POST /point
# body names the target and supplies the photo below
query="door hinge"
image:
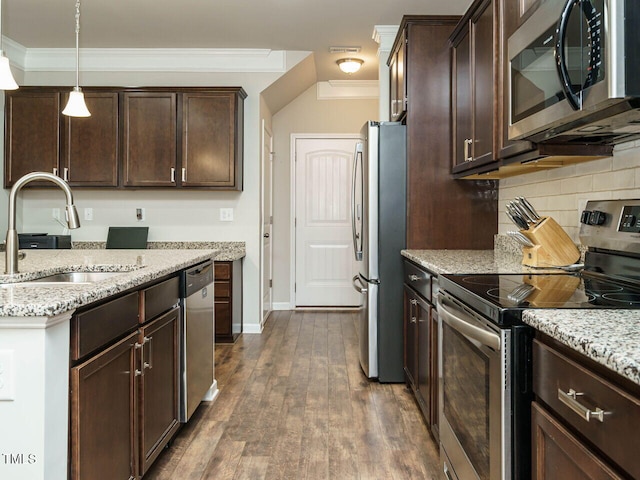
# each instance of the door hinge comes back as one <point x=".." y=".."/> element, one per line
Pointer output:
<point x="270" y="219"/>
<point x="270" y="283"/>
<point x="295" y="287"/>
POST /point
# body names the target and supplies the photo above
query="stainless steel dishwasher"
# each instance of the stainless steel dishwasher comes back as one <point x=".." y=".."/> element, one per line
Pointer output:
<point x="197" y="375"/>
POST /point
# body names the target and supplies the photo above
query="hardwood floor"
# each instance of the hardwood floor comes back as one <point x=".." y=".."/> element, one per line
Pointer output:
<point x="294" y="404"/>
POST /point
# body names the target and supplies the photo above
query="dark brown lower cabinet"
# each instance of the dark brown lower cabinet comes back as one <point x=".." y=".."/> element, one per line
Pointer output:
<point x="125" y="397"/>
<point x="159" y="386"/>
<point x="420" y="355"/>
<point x="103" y="414"/>
<point x="228" y="300"/>
<point x="559" y="454"/>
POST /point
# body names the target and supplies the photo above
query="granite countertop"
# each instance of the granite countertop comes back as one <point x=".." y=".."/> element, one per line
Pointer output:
<point x="136" y="266"/>
<point x="225" y="251"/>
<point x="610" y="337"/>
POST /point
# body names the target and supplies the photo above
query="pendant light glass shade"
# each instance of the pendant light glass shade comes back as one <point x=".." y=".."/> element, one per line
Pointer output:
<point x="7" y="82"/>
<point x="76" y="107"/>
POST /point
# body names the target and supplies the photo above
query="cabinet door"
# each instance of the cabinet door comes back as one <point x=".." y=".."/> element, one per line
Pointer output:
<point x="393" y="86"/>
<point x="410" y="337"/>
<point x="398" y="91"/>
<point x="433" y="368"/>
<point x="209" y="141"/>
<point x="91" y="144"/>
<point x="559" y="454"/>
<point x="159" y="385"/>
<point x="32" y="126"/>
<point x="103" y="415"/>
<point x="149" y="139"/>
<point x="462" y="106"/>
<point x="484" y="73"/>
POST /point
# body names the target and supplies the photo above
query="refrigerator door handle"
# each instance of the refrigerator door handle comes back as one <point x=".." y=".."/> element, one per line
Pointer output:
<point x="356" y="209"/>
<point x="358" y="286"/>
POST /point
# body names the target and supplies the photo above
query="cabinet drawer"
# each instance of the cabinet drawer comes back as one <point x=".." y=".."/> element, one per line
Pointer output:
<point x="222" y="289"/>
<point x="555" y="375"/>
<point x="95" y="328"/>
<point x="417" y="279"/>
<point x="222" y="270"/>
<point x="160" y="298"/>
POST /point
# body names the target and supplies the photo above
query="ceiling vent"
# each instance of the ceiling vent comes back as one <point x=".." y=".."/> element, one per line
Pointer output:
<point x="344" y="49"/>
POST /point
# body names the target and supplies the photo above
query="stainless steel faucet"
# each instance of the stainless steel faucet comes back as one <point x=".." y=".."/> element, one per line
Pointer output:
<point x="11" y="246"/>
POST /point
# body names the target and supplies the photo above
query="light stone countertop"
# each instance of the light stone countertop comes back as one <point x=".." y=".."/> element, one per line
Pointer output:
<point x="611" y="337"/>
<point x="136" y="266"/>
<point x="225" y="251"/>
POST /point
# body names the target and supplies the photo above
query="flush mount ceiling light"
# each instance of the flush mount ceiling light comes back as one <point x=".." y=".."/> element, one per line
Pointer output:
<point x="76" y="106"/>
<point x="7" y="81"/>
<point x="350" y="65"/>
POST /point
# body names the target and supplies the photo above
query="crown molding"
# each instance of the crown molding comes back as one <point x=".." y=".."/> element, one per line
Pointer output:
<point x="385" y="35"/>
<point x="146" y="59"/>
<point x="348" y="90"/>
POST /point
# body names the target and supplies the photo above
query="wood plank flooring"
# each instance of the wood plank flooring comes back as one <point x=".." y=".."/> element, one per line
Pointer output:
<point x="294" y="404"/>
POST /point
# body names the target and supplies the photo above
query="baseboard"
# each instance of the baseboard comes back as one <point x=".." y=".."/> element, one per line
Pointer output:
<point x="251" y="328"/>
<point x="282" y="306"/>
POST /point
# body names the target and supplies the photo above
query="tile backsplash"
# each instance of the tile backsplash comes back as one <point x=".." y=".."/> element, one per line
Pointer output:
<point x="562" y="193"/>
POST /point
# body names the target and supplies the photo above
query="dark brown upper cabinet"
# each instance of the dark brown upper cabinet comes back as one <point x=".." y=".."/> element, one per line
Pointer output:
<point x="474" y="92"/>
<point x="168" y="137"/>
<point x="211" y="129"/>
<point x="149" y="139"/>
<point x="32" y="133"/>
<point x="90" y="146"/>
<point x="397" y="82"/>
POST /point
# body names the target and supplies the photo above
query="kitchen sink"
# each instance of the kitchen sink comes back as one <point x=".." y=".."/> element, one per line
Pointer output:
<point x="65" y="278"/>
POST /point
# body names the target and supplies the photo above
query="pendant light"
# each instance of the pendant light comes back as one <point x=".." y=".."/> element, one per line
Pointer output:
<point x="7" y="81"/>
<point x="76" y="106"/>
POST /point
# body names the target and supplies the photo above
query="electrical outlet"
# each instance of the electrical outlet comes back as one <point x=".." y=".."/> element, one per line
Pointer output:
<point x="55" y="213"/>
<point x="88" y="214"/>
<point x="226" y="214"/>
<point x="6" y="375"/>
<point x="140" y="214"/>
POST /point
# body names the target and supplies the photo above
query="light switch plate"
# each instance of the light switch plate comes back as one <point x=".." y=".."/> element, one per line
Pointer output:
<point x="226" y="214"/>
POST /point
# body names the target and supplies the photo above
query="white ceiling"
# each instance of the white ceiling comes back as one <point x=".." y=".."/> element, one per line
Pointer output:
<point x="308" y="25"/>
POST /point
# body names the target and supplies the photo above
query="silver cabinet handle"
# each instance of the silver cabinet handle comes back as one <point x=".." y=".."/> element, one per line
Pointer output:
<point x="173" y="175"/>
<point x="65" y="174"/>
<point x="184" y="174"/>
<point x="414" y="278"/>
<point x="570" y="399"/>
<point x="467" y="149"/>
<point x="149" y="364"/>
<point x="55" y="171"/>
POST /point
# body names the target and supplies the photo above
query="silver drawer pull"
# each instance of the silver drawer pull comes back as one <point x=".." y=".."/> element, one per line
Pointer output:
<point x="414" y="278"/>
<point x="570" y="400"/>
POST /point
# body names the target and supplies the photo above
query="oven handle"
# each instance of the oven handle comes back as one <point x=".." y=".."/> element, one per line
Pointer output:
<point x="460" y="321"/>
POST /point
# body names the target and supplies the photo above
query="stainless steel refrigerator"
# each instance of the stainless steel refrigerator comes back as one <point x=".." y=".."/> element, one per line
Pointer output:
<point x="378" y="215"/>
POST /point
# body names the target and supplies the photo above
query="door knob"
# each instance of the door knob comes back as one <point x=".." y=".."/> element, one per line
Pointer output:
<point x="266" y="235"/>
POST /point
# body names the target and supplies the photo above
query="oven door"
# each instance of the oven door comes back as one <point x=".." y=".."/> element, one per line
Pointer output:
<point x="475" y="422"/>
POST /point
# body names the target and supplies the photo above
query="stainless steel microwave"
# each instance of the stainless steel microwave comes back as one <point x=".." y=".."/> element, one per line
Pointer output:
<point x="574" y="73"/>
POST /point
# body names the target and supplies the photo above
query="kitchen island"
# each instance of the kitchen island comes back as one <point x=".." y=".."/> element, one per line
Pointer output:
<point x="35" y="346"/>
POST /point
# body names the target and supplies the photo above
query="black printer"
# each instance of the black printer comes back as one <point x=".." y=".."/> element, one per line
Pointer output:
<point x="43" y="240"/>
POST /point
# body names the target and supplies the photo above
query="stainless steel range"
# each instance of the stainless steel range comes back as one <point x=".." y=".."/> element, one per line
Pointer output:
<point x="485" y="350"/>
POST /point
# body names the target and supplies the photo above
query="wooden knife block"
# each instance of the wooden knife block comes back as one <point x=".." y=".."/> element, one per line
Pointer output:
<point x="552" y="246"/>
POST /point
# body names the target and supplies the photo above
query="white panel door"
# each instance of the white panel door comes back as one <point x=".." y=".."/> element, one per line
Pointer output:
<point x="267" y="221"/>
<point x="325" y="263"/>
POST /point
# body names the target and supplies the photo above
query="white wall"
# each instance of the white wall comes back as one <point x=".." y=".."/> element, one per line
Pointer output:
<point x="306" y="114"/>
<point x="562" y="193"/>
<point x="171" y="215"/>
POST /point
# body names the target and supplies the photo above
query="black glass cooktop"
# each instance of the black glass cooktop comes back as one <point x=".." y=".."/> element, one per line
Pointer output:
<point x="502" y="297"/>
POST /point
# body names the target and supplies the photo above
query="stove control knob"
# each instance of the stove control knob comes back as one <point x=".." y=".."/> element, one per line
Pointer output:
<point x="584" y="217"/>
<point x="597" y="217"/>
